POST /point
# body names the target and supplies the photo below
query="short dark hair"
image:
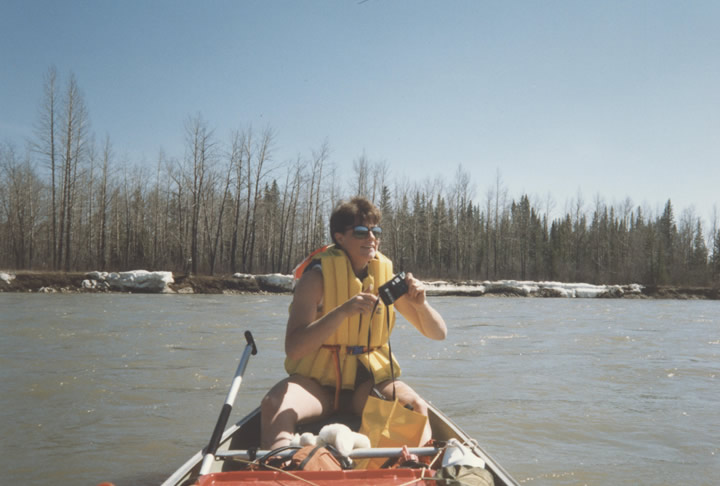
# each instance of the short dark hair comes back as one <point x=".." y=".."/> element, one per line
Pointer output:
<point x="357" y="211"/>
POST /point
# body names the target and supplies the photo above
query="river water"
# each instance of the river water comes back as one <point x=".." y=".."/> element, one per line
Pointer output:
<point x="124" y="388"/>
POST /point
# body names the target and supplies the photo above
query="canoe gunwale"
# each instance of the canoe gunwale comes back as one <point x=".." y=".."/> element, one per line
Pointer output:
<point x="369" y="453"/>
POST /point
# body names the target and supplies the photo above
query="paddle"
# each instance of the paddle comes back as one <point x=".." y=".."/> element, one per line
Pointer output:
<point x="212" y="447"/>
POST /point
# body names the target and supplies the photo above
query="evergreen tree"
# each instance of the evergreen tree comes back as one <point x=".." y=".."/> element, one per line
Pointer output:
<point x="666" y="238"/>
<point x="699" y="258"/>
<point x="715" y="261"/>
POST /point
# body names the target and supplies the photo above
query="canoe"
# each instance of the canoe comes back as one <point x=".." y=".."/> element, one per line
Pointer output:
<point x="242" y="437"/>
<point x="224" y="462"/>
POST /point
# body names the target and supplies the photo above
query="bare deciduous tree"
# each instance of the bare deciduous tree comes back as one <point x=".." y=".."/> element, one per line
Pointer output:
<point x="201" y="153"/>
<point x="45" y="144"/>
<point x="73" y="138"/>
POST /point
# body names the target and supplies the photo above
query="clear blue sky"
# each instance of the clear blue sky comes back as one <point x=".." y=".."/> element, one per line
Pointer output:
<point x="611" y="98"/>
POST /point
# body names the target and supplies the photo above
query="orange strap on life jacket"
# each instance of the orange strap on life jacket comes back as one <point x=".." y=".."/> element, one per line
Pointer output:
<point x="300" y="268"/>
<point x="335" y="348"/>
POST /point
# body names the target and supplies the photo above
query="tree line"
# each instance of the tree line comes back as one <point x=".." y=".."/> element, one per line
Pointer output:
<point x="227" y="206"/>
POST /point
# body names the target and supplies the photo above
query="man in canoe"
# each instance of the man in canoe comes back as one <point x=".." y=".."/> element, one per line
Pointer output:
<point x="337" y="335"/>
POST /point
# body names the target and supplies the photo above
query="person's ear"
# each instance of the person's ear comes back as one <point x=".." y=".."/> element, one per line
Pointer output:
<point x="339" y="238"/>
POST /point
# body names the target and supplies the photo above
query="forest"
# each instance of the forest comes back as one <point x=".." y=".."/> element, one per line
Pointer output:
<point x="69" y="203"/>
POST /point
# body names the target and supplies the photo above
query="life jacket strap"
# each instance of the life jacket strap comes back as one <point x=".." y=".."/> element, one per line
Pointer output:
<point x="352" y="350"/>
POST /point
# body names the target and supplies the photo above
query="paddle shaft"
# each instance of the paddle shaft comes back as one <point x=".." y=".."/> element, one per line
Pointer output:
<point x="212" y="447"/>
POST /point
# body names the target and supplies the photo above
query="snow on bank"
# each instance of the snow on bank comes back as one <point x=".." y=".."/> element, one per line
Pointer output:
<point x="133" y="281"/>
<point x="159" y="282"/>
<point x="272" y="281"/>
<point x="533" y="289"/>
<point x="514" y="287"/>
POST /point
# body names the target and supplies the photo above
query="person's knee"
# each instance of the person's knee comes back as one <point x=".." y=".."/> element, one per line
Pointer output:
<point x="412" y="398"/>
<point x="407" y="396"/>
<point x="418" y="404"/>
<point x="271" y="403"/>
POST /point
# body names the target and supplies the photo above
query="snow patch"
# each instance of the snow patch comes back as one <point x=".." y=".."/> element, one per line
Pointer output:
<point x="133" y="281"/>
<point x="271" y="281"/>
<point x="533" y="289"/>
<point x="280" y="282"/>
<point x="159" y="282"/>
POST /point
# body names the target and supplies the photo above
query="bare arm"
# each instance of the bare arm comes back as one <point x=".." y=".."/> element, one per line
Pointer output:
<point x="305" y="332"/>
<point x="416" y="309"/>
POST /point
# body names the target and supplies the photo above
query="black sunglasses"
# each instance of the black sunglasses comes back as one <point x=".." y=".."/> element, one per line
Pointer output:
<point x="362" y="232"/>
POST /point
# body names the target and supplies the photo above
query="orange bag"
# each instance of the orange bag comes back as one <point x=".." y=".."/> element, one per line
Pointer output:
<point x="314" y="458"/>
<point x="389" y="424"/>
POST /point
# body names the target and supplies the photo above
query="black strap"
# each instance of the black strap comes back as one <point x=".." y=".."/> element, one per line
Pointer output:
<point x="387" y="321"/>
<point x="392" y="367"/>
<point x="274" y="452"/>
<point x="345" y="462"/>
<point x="301" y="466"/>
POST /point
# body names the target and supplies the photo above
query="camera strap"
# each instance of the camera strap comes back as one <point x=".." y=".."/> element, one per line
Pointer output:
<point x="390" y="357"/>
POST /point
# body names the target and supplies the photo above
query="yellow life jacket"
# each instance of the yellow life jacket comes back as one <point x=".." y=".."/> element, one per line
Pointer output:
<point x="350" y="339"/>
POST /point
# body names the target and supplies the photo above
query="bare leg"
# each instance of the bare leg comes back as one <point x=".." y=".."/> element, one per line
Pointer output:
<point x="294" y="399"/>
<point x="360" y="396"/>
<point x="407" y="395"/>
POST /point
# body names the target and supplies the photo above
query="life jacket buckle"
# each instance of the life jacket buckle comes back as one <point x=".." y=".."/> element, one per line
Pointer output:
<point x="355" y="349"/>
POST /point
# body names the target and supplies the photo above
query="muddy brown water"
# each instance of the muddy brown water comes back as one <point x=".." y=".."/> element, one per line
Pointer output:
<point x="124" y="388"/>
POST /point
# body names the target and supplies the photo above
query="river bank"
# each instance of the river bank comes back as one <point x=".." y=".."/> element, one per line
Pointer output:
<point x="94" y="282"/>
<point x="71" y="282"/>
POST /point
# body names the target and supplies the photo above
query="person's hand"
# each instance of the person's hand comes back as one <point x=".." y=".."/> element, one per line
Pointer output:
<point x="416" y="290"/>
<point x="361" y="303"/>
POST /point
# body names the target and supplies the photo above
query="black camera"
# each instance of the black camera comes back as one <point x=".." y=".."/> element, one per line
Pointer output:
<point x="393" y="289"/>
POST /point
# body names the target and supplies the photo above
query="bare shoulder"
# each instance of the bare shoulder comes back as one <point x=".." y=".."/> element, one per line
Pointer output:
<point x="310" y="283"/>
<point x="308" y="293"/>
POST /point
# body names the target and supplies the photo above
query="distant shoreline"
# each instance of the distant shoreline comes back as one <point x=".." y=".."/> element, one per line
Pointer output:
<point x="77" y="282"/>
